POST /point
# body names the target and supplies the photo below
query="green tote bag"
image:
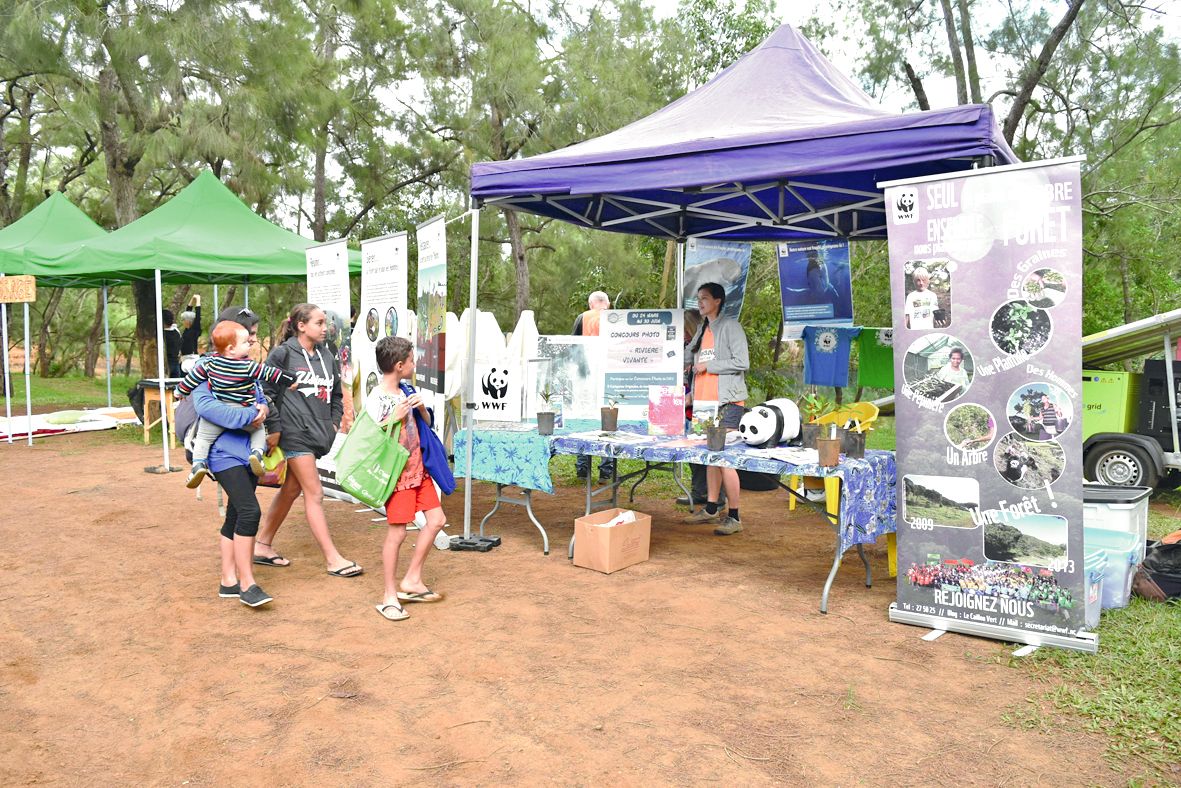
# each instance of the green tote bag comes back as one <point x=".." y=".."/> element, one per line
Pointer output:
<point x="370" y="461"/>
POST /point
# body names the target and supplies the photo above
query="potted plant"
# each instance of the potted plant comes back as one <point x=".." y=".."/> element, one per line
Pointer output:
<point x="713" y="430"/>
<point x="610" y="415"/>
<point x="813" y="407"/>
<point x="545" y="417"/>
<point x="829" y="444"/>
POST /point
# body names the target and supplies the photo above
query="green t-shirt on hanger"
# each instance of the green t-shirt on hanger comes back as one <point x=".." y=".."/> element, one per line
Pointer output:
<point x="875" y="358"/>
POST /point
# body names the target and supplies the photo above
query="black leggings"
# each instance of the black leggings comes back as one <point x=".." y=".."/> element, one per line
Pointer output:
<point x="243" y="512"/>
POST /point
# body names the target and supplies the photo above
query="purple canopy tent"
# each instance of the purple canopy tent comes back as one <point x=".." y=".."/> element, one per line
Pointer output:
<point x="779" y="145"/>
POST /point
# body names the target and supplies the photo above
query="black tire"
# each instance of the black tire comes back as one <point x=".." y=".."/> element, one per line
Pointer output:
<point x="1170" y="481"/>
<point x="1120" y="465"/>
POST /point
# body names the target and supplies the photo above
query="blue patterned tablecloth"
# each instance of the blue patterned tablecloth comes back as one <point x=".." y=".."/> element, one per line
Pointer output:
<point x="522" y="459"/>
<point x="867" y="498"/>
<point x="505" y="455"/>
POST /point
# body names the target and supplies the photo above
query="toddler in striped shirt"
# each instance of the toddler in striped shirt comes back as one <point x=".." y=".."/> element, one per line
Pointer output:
<point x="233" y="378"/>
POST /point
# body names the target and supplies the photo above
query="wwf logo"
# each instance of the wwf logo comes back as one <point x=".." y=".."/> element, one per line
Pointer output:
<point x="906" y="206"/>
<point x="495" y="383"/>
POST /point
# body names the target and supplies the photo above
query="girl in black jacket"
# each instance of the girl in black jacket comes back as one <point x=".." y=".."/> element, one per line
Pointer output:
<point x="304" y="425"/>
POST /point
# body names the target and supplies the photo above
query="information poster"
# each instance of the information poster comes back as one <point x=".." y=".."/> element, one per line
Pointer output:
<point x="815" y="285"/>
<point x="990" y="528"/>
<point x="431" y="358"/>
<point x="383" y="312"/>
<point x="726" y="263"/>
<point x="328" y="278"/>
<point x="571" y="369"/>
<point x="644" y="348"/>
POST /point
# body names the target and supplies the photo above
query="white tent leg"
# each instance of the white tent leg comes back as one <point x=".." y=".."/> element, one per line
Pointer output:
<point x="162" y="373"/>
<point x="216" y="303"/>
<point x="468" y="398"/>
<point x="246" y="293"/>
<point x="7" y="370"/>
<point x="28" y="379"/>
<point x="107" y="341"/>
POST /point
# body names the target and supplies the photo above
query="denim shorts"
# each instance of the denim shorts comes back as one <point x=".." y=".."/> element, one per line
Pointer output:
<point x="293" y="454"/>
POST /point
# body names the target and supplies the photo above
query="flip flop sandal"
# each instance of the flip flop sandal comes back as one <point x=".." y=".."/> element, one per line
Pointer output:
<point x="425" y="596"/>
<point x="271" y="560"/>
<point x="347" y="571"/>
<point x="392" y="612"/>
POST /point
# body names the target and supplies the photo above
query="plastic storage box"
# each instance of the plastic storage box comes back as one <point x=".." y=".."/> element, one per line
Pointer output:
<point x="1095" y="565"/>
<point x="1118" y="509"/>
<point x="1122" y="550"/>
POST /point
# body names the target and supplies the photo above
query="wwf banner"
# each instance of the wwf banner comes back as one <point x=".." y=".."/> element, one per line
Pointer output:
<point x="431" y="339"/>
<point x="986" y="284"/>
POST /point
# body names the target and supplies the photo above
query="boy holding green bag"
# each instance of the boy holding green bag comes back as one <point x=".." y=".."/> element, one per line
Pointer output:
<point x="415" y="490"/>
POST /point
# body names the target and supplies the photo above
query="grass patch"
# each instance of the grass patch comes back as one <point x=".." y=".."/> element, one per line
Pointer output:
<point x="70" y="392"/>
<point x="882" y="435"/>
<point x="1128" y="690"/>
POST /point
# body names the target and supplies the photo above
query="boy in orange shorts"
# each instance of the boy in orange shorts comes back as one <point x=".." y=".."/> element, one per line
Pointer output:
<point x="415" y="491"/>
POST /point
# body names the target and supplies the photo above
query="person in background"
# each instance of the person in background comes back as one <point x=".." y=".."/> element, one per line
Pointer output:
<point x="191" y="335"/>
<point x="171" y="344"/>
<point x="395" y="399"/>
<point x="587" y="325"/>
<point x="304" y="428"/>
<point x="719" y="357"/>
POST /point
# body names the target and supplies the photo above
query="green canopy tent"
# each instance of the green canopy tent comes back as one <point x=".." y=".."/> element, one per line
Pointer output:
<point x="54" y="222"/>
<point x="205" y="234"/>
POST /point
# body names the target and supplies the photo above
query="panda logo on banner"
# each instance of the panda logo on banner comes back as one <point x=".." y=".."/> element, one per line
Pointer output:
<point x="495" y="383"/>
<point x="906" y="204"/>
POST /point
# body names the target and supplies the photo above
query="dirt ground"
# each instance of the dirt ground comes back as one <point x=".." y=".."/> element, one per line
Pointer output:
<point x="708" y="663"/>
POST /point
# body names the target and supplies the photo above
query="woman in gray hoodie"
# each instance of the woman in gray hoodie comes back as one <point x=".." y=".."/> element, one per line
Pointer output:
<point x="304" y="425"/>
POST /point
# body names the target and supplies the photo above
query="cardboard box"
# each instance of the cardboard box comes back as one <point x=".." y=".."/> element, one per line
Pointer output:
<point x="610" y="549"/>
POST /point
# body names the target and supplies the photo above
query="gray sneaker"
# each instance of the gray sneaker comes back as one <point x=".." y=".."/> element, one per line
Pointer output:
<point x="701" y="516"/>
<point x="728" y="527"/>
<point x="254" y="597"/>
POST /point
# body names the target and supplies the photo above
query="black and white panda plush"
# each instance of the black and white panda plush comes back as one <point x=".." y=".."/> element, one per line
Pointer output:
<point x="775" y="421"/>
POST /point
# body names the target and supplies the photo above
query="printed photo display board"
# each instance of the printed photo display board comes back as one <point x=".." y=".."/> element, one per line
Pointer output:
<point x="988" y="374"/>
<point x="645" y="348"/>
<point x="726" y="263"/>
<point x="815" y="285"/>
<point x="383" y="312"/>
<point x="328" y="288"/>
<point x="431" y="355"/>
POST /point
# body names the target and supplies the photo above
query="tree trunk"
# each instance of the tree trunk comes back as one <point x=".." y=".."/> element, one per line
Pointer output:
<point x="670" y="255"/>
<point x="953" y="50"/>
<point x="969" y="52"/>
<point x="916" y="85"/>
<point x="517" y="246"/>
<point x="319" y="209"/>
<point x="1125" y="278"/>
<point x="94" y="338"/>
<point x="227" y="302"/>
<point x="179" y="297"/>
<point x="44" y="353"/>
<point x="25" y="153"/>
<point x="1038" y="70"/>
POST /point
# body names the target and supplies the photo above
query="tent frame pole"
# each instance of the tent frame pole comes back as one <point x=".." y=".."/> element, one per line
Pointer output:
<point x="216" y="302"/>
<point x="162" y="373"/>
<point x="107" y="340"/>
<point x="246" y="292"/>
<point x="680" y="275"/>
<point x="469" y="402"/>
<point x="7" y="370"/>
<point x="28" y="379"/>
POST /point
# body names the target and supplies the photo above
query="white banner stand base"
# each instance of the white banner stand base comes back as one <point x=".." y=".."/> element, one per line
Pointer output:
<point x="1083" y="641"/>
